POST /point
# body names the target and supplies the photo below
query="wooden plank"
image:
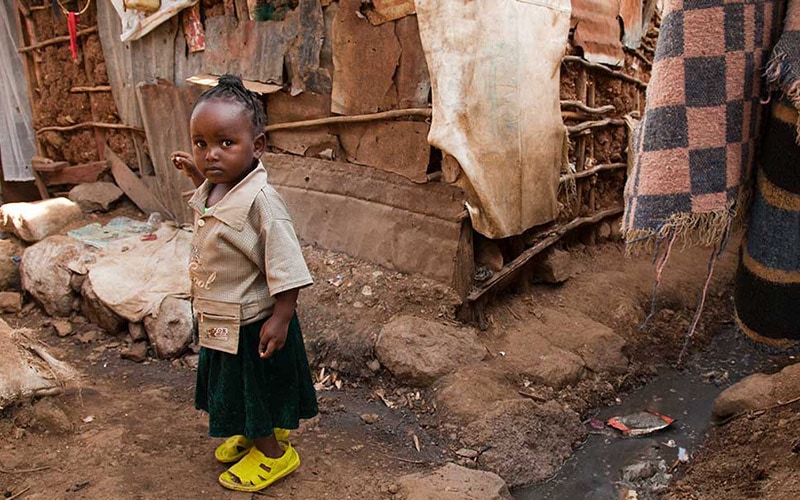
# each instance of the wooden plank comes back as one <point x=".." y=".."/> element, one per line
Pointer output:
<point x="166" y="110"/>
<point x="128" y="63"/>
<point x="412" y="79"/>
<point x="283" y="108"/>
<point x="303" y="57"/>
<point x="134" y="188"/>
<point x="365" y="58"/>
<point x="400" y="147"/>
<point x="253" y="50"/>
<point x="75" y="174"/>
<point x="372" y="215"/>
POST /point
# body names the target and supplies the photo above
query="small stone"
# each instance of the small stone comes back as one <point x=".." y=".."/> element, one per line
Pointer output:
<point x="358" y="305"/>
<point x="467" y="453"/>
<point x="638" y="471"/>
<point x="604" y="231"/>
<point x="10" y="302"/>
<point x="393" y="489"/>
<point x="555" y="267"/>
<point x="370" y="418"/>
<point x="374" y="365"/>
<point x="366" y="291"/>
<point x="136" y="353"/>
<point x="62" y="328"/>
<point x="137" y="331"/>
<point x="191" y="361"/>
<point x="79" y="320"/>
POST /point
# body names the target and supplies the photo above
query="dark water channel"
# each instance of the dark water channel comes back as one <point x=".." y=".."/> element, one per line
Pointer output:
<point x="594" y="471"/>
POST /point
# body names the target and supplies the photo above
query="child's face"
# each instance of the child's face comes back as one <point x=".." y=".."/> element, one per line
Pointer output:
<point x="224" y="144"/>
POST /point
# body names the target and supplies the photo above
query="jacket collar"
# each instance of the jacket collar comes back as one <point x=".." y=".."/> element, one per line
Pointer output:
<point x="234" y="207"/>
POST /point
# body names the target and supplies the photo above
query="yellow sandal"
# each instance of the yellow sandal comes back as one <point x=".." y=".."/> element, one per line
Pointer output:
<point x="236" y="447"/>
<point x="256" y="471"/>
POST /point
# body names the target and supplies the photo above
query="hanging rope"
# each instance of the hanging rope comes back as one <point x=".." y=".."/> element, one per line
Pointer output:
<point x="72" y="26"/>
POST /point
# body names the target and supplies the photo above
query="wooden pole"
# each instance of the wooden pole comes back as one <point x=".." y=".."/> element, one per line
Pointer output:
<point x="605" y="70"/>
<point x="77" y="126"/>
<point x="56" y="40"/>
<point x="385" y="115"/>
<point x="98" y="88"/>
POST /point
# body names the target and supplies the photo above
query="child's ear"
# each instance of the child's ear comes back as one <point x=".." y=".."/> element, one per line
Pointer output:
<point x="259" y="144"/>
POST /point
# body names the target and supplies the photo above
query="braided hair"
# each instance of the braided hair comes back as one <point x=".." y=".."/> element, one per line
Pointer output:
<point x="230" y="88"/>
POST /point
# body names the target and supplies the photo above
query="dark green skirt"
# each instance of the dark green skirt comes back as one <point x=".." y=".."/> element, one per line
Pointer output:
<point x="244" y="394"/>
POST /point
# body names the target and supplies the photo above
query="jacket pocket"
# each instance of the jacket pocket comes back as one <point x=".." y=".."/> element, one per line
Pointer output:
<point x="218" y="325"/>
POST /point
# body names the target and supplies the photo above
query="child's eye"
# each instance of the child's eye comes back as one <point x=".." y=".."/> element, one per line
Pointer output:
<point x="227" y="143"/>
<point x="200" y="144"/>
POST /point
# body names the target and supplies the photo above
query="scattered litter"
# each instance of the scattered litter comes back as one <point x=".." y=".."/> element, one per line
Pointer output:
<point x="416" y="442"/>
<point x="88" y="419"/>
<point x="670" y="444"/>
<point x="380" y="394"/>
<point x="149" y="237"/>
<point x="502" y="353"/>
<point x="370" y="418"/>
<point x="100" y="236"/>
<point x="683" y="455"/>
<point x="596" y="424"/>
<point x="337" y="282"/>
<point x="641" y="423"/>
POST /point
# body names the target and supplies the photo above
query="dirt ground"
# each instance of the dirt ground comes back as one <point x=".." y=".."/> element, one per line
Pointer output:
<point x="129" y="430"/>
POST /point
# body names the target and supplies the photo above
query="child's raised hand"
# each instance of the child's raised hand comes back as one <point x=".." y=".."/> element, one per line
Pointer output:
<point x="272" y="336"/>
<point x="183" y="161"/>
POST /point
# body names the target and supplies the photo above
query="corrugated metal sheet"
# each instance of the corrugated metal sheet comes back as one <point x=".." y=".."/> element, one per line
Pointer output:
<point x="597" y="30"/>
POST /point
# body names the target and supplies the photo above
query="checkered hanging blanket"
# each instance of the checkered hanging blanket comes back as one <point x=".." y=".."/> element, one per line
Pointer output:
<point x="695" y="146"/>
<point x="768" y="281"/>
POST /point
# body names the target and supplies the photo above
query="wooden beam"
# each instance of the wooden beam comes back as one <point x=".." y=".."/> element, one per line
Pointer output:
<point x="134" y="188"/>
<point x="385" y="115"/>
<point x="586" y="173"/>
<point x="98" y="88"/>
<point x="56" y="40"/>
<point x="605" y="70"/>
<point x="473" y="304"/>
<point x="77" y="126"/>
<point x="76" y="174"/>
<point x="582" y="127"/>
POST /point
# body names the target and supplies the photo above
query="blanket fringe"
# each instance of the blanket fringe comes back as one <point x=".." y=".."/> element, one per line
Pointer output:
<point x="783" y="78"/>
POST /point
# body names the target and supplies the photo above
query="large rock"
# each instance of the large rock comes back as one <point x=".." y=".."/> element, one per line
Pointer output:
<point x="46" y="273"/>
<point x="95" y="196"/>
<point x="9" y="269"/>
<point x="97" y="312"/>
<point x="524" y="352"/>
<point x="467" y="393"/>
<point x="529" y="441"/>
<point x="419" y="351"/>
<point x="453" y="482"/>
<point x="598" y="345"/>
<point x="40" y="219"/>
<point x="555" y="267"/>
<point x="758" y="391"/>
<point x="170" y="331"/>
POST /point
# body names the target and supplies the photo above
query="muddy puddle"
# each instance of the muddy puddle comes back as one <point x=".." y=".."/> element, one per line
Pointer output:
<point x="607" y="461"/>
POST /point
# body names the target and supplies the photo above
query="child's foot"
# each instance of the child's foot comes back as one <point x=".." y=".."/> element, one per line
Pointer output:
<point x="236" y="447"/>
<point x="256" y="471"/>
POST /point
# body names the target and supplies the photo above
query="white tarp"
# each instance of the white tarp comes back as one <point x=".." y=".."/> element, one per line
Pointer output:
<point x="495" y="71"/>
<point x="133" y="276"/>
<point x="17" y="142"/>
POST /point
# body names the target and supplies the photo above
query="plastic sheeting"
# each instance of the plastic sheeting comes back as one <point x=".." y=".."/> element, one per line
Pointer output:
<point x="495" y="70"/>
<point x="136" y="24"/>
<point x="17" y="142"/>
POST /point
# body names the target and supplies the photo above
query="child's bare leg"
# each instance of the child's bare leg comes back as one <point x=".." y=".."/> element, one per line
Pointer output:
<point x="269" y="446"/>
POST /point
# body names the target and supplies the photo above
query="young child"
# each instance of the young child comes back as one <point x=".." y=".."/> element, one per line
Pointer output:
<point x="246" y="268"/>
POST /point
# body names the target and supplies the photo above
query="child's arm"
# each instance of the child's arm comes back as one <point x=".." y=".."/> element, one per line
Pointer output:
<point x="183" y="161"/>
<point x="275" y="329"/>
